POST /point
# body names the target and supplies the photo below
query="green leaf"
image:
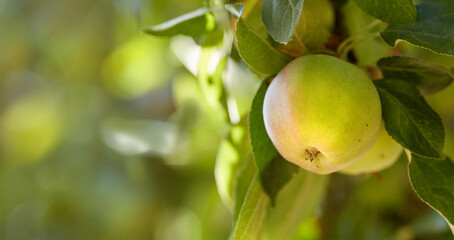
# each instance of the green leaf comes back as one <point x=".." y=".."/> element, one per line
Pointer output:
<point x="227" y="160"/>
<point x="191" y="24"/>
<point x="297" y="201"/>
<point x="235" y="168"/>
<point x="428" y="78"/>
<point x="257" y="52"/>
<point x="240" y="85"/>
<point x="390" y="11"/>
<point x="274" y="170"/>
<point x="432" y="29"/>
<point x="252" y="14"/>
<point x="147" y="137"/>
<point x="252" y="213"/>
<point x="409" y="119"/>
<point x="243" y="179"/>
<point x="262" y="147"/>
<point x="276" y="175"/>
<point x="235" y="8"/>
<point x="211" y="81"/>
<point x="433" y="181"/>
<point x="280" y="18"/>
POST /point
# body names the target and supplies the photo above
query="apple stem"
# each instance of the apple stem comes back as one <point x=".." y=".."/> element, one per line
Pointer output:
<point x="311" y="154"/>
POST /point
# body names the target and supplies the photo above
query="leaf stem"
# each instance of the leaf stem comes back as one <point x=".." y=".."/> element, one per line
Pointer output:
<point x="348" y="48"/>
<point x="357" y="35"/>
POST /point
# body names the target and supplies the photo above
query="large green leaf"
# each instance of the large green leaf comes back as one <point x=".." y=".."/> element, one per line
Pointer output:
<point x="257" y="52"/>
<point x="243" y="179"/>
<point x="433" y="181"/>
<point x="234" y="167"/>
<point x="262" y="147"/>
<point x="274" y="170"/>
<point x="409" y="119"/>
<point x="297" y="201"/>
<point x="252" y="213"/>
<point x="432" y="29"/>
<point x="390" y="11"/>
<point x="191" y="24"/>
<point x="280" y="18"/>
<point x="428" y="78"/>
<point x="227" y="160"/>
<point x="276" y="175"/>
<point x="252" y="14"/>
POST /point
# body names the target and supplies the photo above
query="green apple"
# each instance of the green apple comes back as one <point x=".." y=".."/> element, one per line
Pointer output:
<point x="310" y="33"/>
<point x="383" y="154"/>
<point x="325" y="11"/>
<point x="322" y="113"/>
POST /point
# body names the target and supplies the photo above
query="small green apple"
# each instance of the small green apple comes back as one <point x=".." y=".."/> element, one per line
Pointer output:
<point x="325" y="11"/>
<point x="383" y="154"/>
<point x="310" y="33"/>
<point x="322" y="113"/>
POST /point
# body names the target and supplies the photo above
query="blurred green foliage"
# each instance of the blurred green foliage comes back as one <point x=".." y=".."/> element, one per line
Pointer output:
<point x="93" y="144"/>
<point x="105" y="134"/>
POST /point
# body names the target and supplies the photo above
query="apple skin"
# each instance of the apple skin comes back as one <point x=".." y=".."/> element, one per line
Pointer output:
<point x="383" y="154"/>
<point x="325" y="11"/>
<point x="312" y="31"/>
<point x="322" y="113"/>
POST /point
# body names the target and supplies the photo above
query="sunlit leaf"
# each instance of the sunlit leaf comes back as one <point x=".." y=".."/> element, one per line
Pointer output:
<point x="191" y="24"/>
<point x="296" y="202"/>
<point x="252" y="213"/>
<point x="138" y="137"/>
<point x="257" y="52"/>
<point x="231" y="171"/>
<point x="224" y="171"/>
<point x="235" y="8"/>
<point x="243" y="179"/>
<point x="240" y="85"/>
<point x="211" y="65"/>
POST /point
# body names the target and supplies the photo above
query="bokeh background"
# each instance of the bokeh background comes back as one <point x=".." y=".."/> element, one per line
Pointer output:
<point x="106" y="133"/>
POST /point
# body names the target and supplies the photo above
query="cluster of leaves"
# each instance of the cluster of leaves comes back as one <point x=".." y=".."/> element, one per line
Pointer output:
<point x="271" y="33"/>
